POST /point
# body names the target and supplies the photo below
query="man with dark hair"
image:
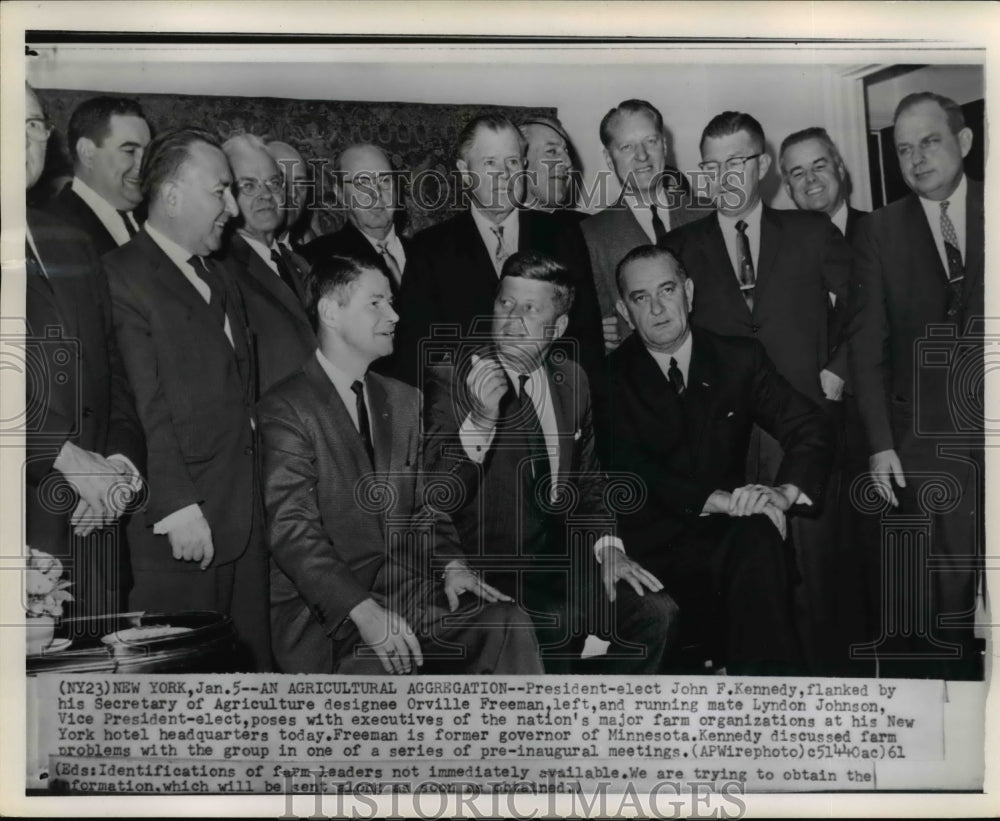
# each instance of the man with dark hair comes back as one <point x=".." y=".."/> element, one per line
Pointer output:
<point x="917" y="364"/>
<point x="368" y="191"/>
<point x="767" y="274"/>
<point x="654" y="199"/>
<point x="356" y="582"/>
<point x="271" y="277"/>
<point x="106" y="137"/>
<point x="551" y="168"/>
<point x="453" y="268"/>
<point x="182" y="330"/>
<point x="676" y="411"/>
<point x="513" y="426"/>
<point x="82" y="435"/>
<point x="300" y="194"/>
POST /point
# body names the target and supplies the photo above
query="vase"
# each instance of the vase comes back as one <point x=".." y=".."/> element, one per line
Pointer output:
<point x="40" y="632"/>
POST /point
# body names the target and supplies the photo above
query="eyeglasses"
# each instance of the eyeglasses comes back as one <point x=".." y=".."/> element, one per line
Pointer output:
<point x="251" y="188"/>
<point x="732" y="164"/>
<point x="37" y="129"/>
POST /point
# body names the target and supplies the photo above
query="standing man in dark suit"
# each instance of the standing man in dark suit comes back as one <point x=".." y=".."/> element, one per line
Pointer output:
<point x="182" y="330"/>
<point x="513" y="425"/>
<point x="550" y="168"/>
<point x="677" y="410"/>
<point x="82" y="430"/>
<point x="453" y="268"/>
<point x="919" y="266"/>
<point x="300" y="195"/>
<point x="767" y="275"/>
<point x="106" y="137"/>
<point x="271" y="277"/>
<point x="653" y="201"/>
<point x="356" y="581"/>
<point x="369" y="193"/>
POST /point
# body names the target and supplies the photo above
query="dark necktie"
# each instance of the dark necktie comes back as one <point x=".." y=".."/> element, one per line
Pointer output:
<point x="364" y="427"/>
<point x="128" y="223"/>
<point x="659" y="229"/>
<point x="744" y="261"/>
<point x="211" y="277"/>
<point x="541" y="470"/>
<point x="284" y="270"/>
<point x="390" y="263"/>
<point x="956" y="268"/>
<point x="676" y="377"/>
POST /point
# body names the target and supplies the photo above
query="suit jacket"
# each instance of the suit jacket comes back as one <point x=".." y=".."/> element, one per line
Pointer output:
<point x="901" y="288"/>
<point x="78" y="391"/>
<point x="802" y="259"/>
<point x="684" y="448"/>
<point x="334" y="534"/>
<point x="281" y="335"/>
<point x="194" y="397"/>
<point x="350" y="242"/>
<point x="854" y="216"/>
<point x="610" y="235"/>
<point x="450" y="279"/>
<point x="68" y="206"/>
<point x="500" y="514"/>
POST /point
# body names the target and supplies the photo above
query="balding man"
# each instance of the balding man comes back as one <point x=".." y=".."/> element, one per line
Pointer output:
<point x="299" y="195"/>
<point x="550" y="165"/>
<point x="271" y="276"/>
<point x="368" y="192"/>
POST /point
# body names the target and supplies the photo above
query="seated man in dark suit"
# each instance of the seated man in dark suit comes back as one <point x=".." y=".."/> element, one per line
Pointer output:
<point x="368" y="191"/>
<point x="365" y="575"/>
<point x="677" y="410"/>
<point x="513" y="426"/>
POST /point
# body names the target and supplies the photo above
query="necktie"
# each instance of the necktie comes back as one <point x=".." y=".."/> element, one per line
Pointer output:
<point x="676" y="377"/>
<point x="500" y="257"/>
<point x="390" y="263"/>
<point x="364" y="428"/>
<point x="956" y="268"/>
<point x="744" y="264"/>
<point x="211" y="277"/>
<point x="128" y="223"/>
<point x="659" y="230"/>
<point x="541" y="470"/>
<point x="284" y="271"/>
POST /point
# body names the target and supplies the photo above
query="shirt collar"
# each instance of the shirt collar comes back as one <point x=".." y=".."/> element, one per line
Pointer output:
<point x="104" y="210"/>
<point x="178" y="256"/>
<point x="682" y="355"/>
<point x="955" y="202"/>
<point x="341" y="380"/>
<point x="751" y="218"/>
<point x="263" y="250"/>
<point x="486" y="226"/>
<point x="839" y="217"/>
<point x="390" y="239"/>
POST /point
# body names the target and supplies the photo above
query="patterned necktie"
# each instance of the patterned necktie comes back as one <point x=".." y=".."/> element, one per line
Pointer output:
<point x="364" y="428"/>
<point x="956" y="268"/>
<point x="676" y="377"/>
<point x="284" y="271"/>
<point x="217" y="301"/>
<point x="390" y="263"/>
<point x="744" y="264"/>
<point x="128" y="223"/>
<point x="659" y="230"/>
<point x="500" y="257"/>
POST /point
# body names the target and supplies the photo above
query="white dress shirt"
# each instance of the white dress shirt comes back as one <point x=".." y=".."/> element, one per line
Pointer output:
<point x="263" y="251"/>
<point x="731" y="236"/>
<point x="342" y="381"/>
<point x="393" y="245"/>
<point x="644" y="216"/>
<point x="956" y="213"/>
<point x="511" y="233"/>
<point x="682" y="355"/>
<point x="105" y="211"/>
<point x="839" y="217"/>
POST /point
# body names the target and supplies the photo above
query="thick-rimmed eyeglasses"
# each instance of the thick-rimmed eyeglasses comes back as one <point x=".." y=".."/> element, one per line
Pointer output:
<point x="732" y="164"/>
<point x="37" y="129"/>
<point x="251" y="188"/>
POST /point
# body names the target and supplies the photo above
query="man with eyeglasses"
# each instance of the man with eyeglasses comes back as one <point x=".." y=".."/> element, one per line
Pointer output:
<point x="368" y="191"/>
<point x="271" y="275"/>
<point x="766" y="274"/>
<point x="106" y="138"/>
<point x="82" y="434"/>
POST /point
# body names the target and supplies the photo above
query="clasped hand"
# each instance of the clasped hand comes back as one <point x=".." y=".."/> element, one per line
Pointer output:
<point x="104" y="487"/>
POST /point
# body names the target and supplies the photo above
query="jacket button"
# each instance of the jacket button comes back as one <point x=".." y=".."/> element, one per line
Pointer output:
<point x="87" y="412"/>
<point x="755" y="328"/>
<point x="248" y="450"/>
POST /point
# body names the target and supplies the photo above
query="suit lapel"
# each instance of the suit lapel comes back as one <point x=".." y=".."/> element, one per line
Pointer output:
<point x="974" y="240"/>
<point x="699" y="397"/>
<point x="380" y="418"/>
<point x="922" y="246"/>
<point x="470" y="241"/>
<point x="771" y="237"/>
<point x="561" y="388"/>
<point x="262" y="277"/>
<point x="718" y="264"/>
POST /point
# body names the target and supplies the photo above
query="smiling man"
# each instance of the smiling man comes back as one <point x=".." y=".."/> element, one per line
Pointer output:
<point x="182" y="330"/>
<point x="107" y="137"/>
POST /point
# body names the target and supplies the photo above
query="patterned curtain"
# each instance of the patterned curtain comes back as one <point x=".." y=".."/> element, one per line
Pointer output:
<point x="419" y="138"/>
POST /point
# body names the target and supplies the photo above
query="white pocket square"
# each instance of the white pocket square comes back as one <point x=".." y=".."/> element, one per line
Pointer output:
<point x="730" y="414"/>
<point x="577" y="435"/>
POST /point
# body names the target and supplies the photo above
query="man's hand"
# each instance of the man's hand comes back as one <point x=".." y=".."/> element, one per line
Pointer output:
<point x="832" y="385"/>
<point x="93" y="477"/>
<point x="388" y="634"/>
<point x="192" y="541"/>
<point x="884" y="466"/>
<point x="486" y="383"/>
<point x="459" y="579"/>
<point x="612" y="340"/>
<point x="616" y="567"/>
<point x="753" y="499"/>
<point x="777" y="517"/>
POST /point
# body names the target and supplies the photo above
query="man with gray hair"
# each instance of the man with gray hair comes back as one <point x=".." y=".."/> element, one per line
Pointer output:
<point x="299" y="195"/>
<point x="551" y="167"/>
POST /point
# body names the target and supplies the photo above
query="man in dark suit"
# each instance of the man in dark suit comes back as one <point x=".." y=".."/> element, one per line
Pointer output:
<point x="918" y="269"/>
<point x="300" y="195"/>
<point x="81" y="426"/>
<point x="513" y="426"/>
<point x="453" y="267"/>
<point x="677" y="411"/>
<point x="355" y="548"/>
<point x="182" y="330"/>
<point x="767" y="275"/>
<point x="369" y="192"/>
<point x="653" y="201"/>
<point x="550" y="166"/>
<point x="272" y="277"/>
<point x="106" y="138"/>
